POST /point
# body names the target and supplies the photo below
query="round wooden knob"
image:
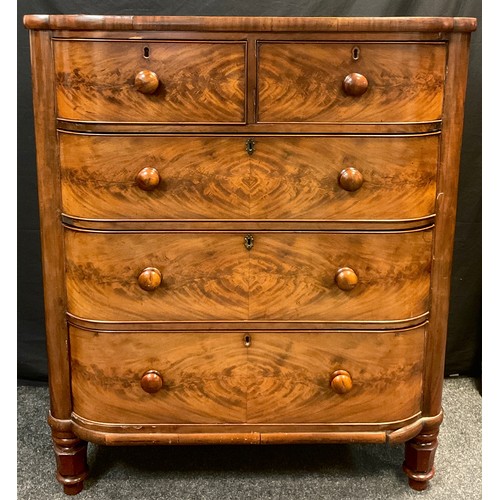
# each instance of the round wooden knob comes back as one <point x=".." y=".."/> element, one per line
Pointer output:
<point x="148" y="179"/>
<point x="346" y="279"/>
<point x="341" y="382"/>
<point x="151" y="381"/>
<point x="146" y="81"/>
<point x="350" y="179"/>
<point x="355" y="84"/>
<point x="150" y="279"/>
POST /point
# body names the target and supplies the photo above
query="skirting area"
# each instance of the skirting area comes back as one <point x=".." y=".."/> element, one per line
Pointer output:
<point x="340" y="472"/>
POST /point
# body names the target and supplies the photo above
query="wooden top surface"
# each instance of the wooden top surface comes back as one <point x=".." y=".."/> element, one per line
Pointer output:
<point x="231" y="23"/>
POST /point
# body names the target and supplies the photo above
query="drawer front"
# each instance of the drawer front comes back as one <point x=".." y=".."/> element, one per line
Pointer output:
<point x="216" y="378"/>
<point x="203" y="276"/>
<point x="197" y="82"/>
<point x="298" y="277"/>
<point x="388" y="82"/>
<point x="291" y="177"/>
<point x="292" y="377"/>
<point x="284" y="277"/>
<point x="202" y="376"/>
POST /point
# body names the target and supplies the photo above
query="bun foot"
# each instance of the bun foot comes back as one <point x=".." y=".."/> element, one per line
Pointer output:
<point x="419" y="459"/>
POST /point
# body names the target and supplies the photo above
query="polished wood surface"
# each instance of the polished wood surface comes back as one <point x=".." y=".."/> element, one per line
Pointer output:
<point x="341" y="381"/>
<point x="198" y="81"/>
<point x="237" y="220"/>
<point x="148" y="178"/>
<point x="146" y="81"/>
<point x="151" y="381"/>
<point x="446" y="205"/>
<point x="150" y="279"/>
<point x="355" y="84"/>
<point x="303" y="82"/>
<point x="204" y="377"/>
<point x="285" y="276"/>
<point x="51" y="231"/>
<point x="216" y="378"/>
<point x="292" y="276"/>
<point x="289" y="177"/>
<point x="259" y="24"/>
<point x="419" y="459"/>
<point x="71" y="456"/>
<point x="346" y="279"/>
<point x="351" y="179"/>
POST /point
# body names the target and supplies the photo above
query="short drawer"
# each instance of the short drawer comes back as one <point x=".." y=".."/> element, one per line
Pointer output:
<point x="350" y="82"/>
<point x="236" y="377"/>
<point x="272" y="276"/>
<point x="327" y="178"/>
<point x="150" y="81"/>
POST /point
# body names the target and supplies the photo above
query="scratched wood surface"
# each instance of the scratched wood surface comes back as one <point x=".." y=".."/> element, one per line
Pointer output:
<point x="199" y="82"/>
<point x="302" y="82"/>
<point x="215" y="378"/>
<point x="214" y="178"/>
<point x="210" y="276"/>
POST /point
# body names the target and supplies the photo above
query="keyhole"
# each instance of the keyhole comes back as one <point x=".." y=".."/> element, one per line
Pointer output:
<point x="146" y="52"/>
<point x="247" y="340"/>
<point x="355" y="53"/>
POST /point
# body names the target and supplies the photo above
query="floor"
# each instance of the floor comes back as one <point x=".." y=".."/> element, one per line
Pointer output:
<point x="310" y="472"/>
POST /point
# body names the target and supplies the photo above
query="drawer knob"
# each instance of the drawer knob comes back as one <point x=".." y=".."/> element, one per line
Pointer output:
<point x="346" y="278"/>
<point x="146" y="81"/>
<point x="341" y="381"/>
<point x="150" y="279"/>
<point x="350" y="179"/>
<point x="148" y="179"/>
<point x="355" y="84"/>
<point x="151" y="381"/>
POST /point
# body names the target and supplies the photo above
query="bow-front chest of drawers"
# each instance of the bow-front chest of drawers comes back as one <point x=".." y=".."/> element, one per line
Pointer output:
<point x="247" y="228"/>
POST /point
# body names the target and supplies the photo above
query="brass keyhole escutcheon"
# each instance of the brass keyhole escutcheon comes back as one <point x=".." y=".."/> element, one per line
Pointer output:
<point x="250" y="146"/>
<point x="247" y="340"/>
<point x="248" y="241"/>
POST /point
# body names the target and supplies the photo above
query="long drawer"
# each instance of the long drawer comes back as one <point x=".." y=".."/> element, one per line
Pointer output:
<point x="214" y="178"/>
<point x="235" y="377"/>
<point x="276" y="276"/>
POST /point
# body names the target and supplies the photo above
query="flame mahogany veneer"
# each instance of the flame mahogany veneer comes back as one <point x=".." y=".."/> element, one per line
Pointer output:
<point x="247" y="228"/>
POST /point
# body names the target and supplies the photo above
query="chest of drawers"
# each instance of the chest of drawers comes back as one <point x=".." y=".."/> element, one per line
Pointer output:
<point x="247" y="228"/>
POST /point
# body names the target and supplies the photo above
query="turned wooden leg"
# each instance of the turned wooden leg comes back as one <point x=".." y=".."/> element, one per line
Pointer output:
<point x="71" y="456"/>
<point x="419" y="459"/>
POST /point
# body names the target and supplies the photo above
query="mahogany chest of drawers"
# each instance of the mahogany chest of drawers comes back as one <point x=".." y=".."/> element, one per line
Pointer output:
<point x="247" y="228"/>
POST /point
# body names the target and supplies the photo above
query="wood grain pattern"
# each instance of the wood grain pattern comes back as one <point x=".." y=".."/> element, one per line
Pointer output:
<point x="302" y="82"/>
<point x="254" y="128"/>
<point x="178" y="333"/>
<point x="199" y="81"/>
<point x="203" y="377"/>
<point x="291" y="376"/>
<point x="204" y="276"/>
<point x="51" y="231"/>
<point x="248" y="23"/>
<point x="292" y="276"/>
<point x="213" y="377"/>
<point x="210" y="276"/>
<point x="448" y="176"/>
<point x="291" y="177"/>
